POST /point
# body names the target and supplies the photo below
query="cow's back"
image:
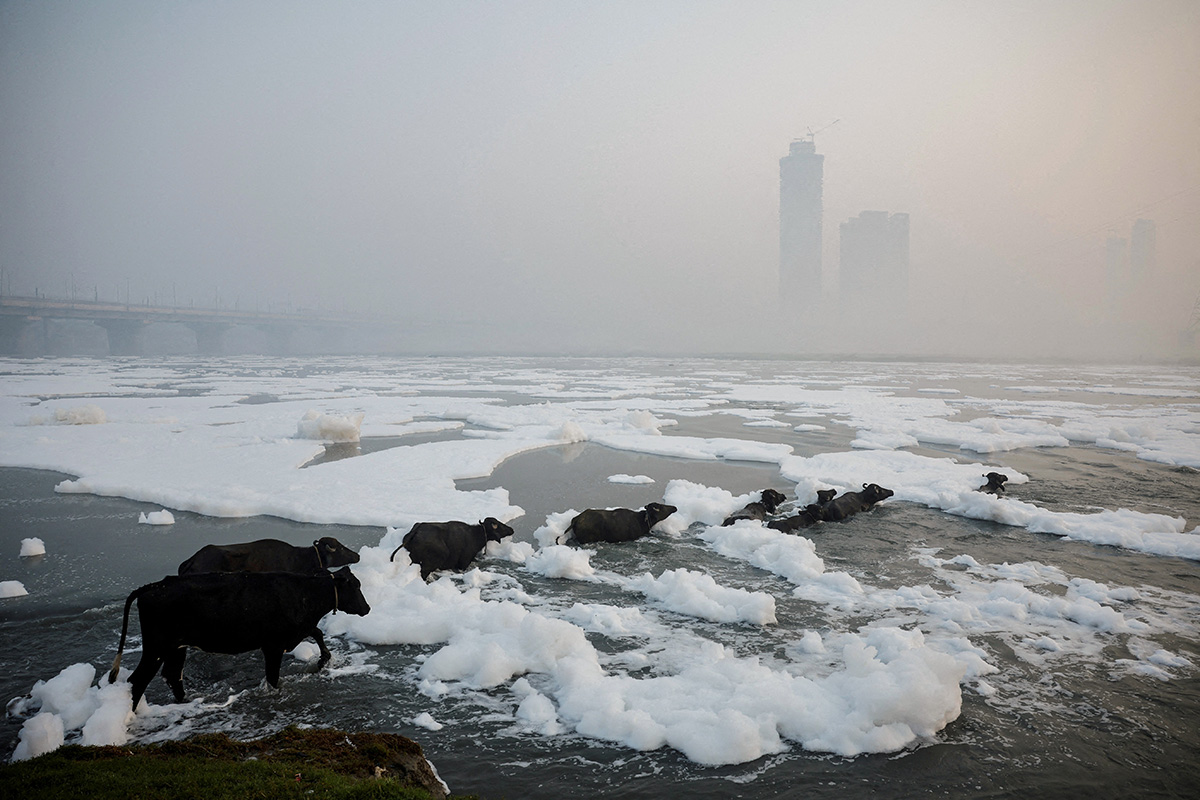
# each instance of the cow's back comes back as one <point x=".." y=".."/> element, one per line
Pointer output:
<point x="264" y="555"/>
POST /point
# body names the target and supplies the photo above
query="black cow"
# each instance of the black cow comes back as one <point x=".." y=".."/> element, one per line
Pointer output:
<point x="618" y="524"/>
<point x="272" y="555"/>
<point x="450" y="545"/>
<point x="230" y="613"/>
<point x="269" y="555"/>
<point x="851" y="503"/>
<point x="759" y="509"/>
<point x="995" y="483"/>
<point x="809" y="516"/>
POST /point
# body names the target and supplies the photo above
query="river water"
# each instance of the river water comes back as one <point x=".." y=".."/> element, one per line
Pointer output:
<point x="1070" y="702"/>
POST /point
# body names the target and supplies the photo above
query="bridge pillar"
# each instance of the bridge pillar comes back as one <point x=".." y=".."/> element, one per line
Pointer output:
<point x="22" y="336"/>
<point x="210" y="337"/>
<point x="280" y="338"/>
<point x="123" y="336"/>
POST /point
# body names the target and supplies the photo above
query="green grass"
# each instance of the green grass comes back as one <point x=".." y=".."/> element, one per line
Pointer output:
<point x="294" y="763"/>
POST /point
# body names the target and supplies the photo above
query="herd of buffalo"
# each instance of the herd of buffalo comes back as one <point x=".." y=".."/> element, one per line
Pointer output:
<point x="269" y="595"/>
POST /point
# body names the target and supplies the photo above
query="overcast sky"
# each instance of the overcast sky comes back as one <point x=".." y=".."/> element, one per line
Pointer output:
<point x="605" y="175"/>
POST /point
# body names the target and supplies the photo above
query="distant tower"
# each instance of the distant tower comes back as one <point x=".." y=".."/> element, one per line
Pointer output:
<point x="801" y="172"/>
<point x="1142" y="242"/>
<point x="873" y="257"/>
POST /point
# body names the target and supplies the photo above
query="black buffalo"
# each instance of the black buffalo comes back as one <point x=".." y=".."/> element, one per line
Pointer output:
<point x="450" y="545"/>
<point x="272" y="555"/>
<point x="230" y="613"/>
<point x="824" y="496"/>
<point x="269" y="555"/>
<point x="810" y="515"/>
<point x="851" y="503"/>
<point x="759" y="509"/>
<point x="618" y="524"/>
<point x="995" y="483"/>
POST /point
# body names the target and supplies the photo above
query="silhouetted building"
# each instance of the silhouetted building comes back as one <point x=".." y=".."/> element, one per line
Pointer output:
<point x="1128" y="267"/>
<point x="1142" y="244"/>
<point x="873" y="255"/>
<point x="801" y="172"/>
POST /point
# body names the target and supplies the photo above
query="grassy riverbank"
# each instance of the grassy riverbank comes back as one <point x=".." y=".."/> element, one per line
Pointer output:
<point x="294" y="763"/>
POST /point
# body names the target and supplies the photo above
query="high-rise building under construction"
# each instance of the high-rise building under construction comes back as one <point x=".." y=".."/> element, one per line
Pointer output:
<point x="801" y="172"/>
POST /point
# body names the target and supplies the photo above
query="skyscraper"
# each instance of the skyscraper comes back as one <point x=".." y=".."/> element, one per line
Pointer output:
<point x="1142" y="244"/>
<point x="873" y="257"/>
<point x="800" y="175"/>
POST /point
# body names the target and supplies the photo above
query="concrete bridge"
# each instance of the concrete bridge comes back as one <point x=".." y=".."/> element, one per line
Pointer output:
<point x="35" y="325"/>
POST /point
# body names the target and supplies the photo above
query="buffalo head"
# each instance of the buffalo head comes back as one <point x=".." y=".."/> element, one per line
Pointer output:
<point x="771" y="499"/>
<point x="873" y="492"/>
<point x="349" y="593"/>
<point x="657" y="512"/>
<point x="495" y="530"/>
<point x="333" y="553"/>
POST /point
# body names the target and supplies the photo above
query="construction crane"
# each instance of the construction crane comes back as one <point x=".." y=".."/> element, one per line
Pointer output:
<point x="812" y="134"/>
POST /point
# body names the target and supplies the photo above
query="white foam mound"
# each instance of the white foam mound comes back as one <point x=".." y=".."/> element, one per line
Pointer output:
<point x="426" y="721"/>
<point x="699" y="595"/>
<point x="163" y="517"/>
<point x="630" y="479"/>
<point x="80" y="415"/>
<point x="12" y="589"/>
<point x="562" y="561"/>
<point x="32" y="547"/>
<point x="71" y="707"/>
<point x="329" y="427"/>
<point x="306" y="651"/>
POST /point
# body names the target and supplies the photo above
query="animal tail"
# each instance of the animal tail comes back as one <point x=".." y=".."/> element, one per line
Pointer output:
<point x="112" y="675"/>
<point x="403" y="542"/>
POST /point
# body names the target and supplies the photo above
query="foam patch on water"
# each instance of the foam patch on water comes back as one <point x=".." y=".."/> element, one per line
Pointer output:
<point x="32" y="546"/>
<point x="162" y="517"/>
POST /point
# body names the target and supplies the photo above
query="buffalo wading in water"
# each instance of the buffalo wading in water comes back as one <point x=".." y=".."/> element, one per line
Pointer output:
<point x="454" y="545"/>
<point x="619" y="524"/>
<point x="810" y="515"/>
<point x="995" y="483"/>
<point x="851" y="503"/>
<point x="230" y="612"/>
<point x="760" y="509"/>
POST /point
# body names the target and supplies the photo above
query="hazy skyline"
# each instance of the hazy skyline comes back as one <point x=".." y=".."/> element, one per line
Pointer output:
<point x="604" y="176"/>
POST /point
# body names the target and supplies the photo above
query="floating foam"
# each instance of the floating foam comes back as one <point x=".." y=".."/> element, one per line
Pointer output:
<point x="630" y="479"/>
<point x="32" y="547"/>
<point x="329" y="427"/>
